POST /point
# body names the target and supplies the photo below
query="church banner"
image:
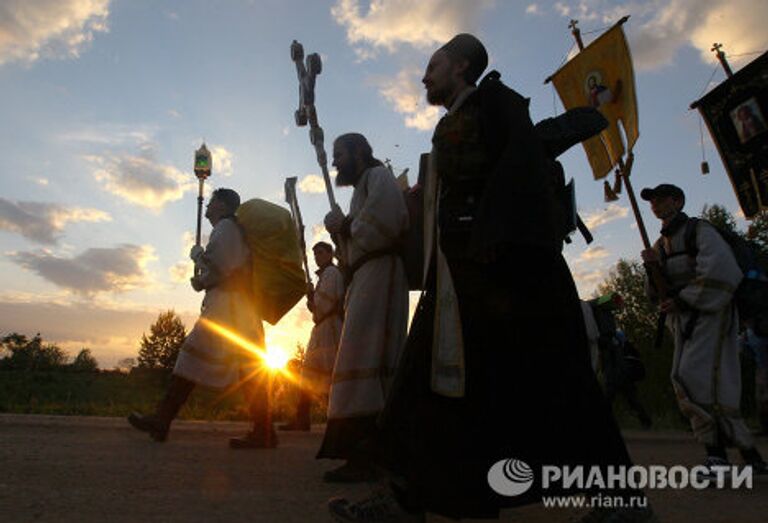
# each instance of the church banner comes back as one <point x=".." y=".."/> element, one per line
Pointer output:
<point x="601" y="76"/>
<point x="736" y="113"/>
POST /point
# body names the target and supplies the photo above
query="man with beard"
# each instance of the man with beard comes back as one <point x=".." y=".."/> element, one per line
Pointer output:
<point x="376" y="311"/>
<point x="496" y="365"/>
<point x="206" y="358"/>
<point x="326" y="303"/>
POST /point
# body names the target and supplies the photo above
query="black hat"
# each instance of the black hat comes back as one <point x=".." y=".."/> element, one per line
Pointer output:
<point x="467" y="46"/>
<point x="665" y="189"/>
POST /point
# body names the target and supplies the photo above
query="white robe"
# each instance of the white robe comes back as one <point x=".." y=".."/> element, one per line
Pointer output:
<point x="593" y="334"/>
<point x="323" y="343"/>
<point x="206" y="357"/>
<point x="706" y="373"/>
<point x="376" y="311"/>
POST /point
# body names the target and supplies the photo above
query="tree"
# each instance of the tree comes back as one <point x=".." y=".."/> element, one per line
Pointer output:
<point x="125" y="364"/>
<point x="638" y="317"/>
<point x="758" y="231"/>
<point x="31" y="354"/>
<point x="720" y="217"/>
<point x="84" y="362"/>
<point x="160" y="349"/>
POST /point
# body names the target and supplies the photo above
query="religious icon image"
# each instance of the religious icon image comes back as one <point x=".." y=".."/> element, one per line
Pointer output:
<point x="748" y="120"/>
<point x="597" y="93"/>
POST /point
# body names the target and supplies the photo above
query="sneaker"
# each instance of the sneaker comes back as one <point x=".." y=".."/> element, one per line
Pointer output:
<point x="152" y="424"/>
<point x="380" y="507"/>
<point x="350" y="472"/>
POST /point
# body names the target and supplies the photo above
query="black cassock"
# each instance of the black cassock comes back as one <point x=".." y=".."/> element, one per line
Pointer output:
<point x="530" y="393"/>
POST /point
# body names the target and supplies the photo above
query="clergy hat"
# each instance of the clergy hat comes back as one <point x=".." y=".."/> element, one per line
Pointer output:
<point x="468" y="47"/>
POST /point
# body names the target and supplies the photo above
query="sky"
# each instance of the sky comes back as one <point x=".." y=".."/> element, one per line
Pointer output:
<point x="103" y="103"/>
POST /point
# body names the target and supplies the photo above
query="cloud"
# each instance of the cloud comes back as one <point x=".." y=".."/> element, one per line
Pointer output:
<point x="533" y="9"/>
<point x="320" y="234"/>
<point x="31" y="30"/>
<point x="183" y="270"/>
<point x="96" y="270"/>
<point x="406" y="95"/>
<point x="44" y="222"/>
<point x="386" y="24"/>
<point x="659" y="28"/>
<point x="112" y="333"/>
<point x="114" y="135"/>
<point x="222" y="160"/>
<point x="611" y="213"/>
<point x="594" y="253"/>
<point x="312" y="184"/>
<point x="140" y="179"/>
<point x="587" y="280"/>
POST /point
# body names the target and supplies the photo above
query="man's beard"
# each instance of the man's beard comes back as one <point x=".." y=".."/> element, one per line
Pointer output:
<point x="346" y="177"/>
<point x="437" y="96"/>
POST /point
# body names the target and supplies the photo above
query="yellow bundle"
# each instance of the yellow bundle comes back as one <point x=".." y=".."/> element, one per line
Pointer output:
<point x="278" y="277"/>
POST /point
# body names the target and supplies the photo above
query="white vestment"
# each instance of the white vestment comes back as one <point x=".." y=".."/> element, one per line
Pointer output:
<point x="376" y="310"/>
<point x="206" y="357"/>
<point x="706" y="373"/>
<point x="593" y="334"/>
<point x="327" y="302"/>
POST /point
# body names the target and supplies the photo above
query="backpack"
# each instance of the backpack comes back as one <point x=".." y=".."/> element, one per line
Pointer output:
<point x="277" y="276"/>
<point x="751" y="296"/>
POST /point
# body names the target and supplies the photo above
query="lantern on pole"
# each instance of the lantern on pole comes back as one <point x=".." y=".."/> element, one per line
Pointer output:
<point x="202" y="171"/>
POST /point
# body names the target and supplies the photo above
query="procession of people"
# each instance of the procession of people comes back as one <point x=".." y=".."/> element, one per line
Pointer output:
<point x="497" y="362"/>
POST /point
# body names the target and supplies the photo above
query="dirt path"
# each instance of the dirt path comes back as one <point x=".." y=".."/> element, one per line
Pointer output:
<point x="59" y="469"/>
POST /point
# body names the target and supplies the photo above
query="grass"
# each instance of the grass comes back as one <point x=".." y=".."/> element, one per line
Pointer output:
<point x="111" y="393"/>
<point x="117" y="394"/>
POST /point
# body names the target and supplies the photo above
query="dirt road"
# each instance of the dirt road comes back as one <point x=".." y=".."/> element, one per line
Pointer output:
<point x="98" y="469"/>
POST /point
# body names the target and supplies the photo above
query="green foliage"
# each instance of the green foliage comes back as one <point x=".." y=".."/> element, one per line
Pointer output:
<point x="638" y="317"/>
<point x="30" y="354"/>
<point x="126" y="364"/>
<point x="758" y="231"/>
<point x="84" y="362"/>
<point x="720" y="217"/>
<point x="160" y="349"/>
<point x="115" y="393"/>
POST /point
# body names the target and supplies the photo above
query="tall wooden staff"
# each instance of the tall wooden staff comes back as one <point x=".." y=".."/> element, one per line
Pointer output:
<point x="623" y="172"/>
<point x="293" y="203"/>
<point x="202" y="171"/>
<point x="307" y="113"/>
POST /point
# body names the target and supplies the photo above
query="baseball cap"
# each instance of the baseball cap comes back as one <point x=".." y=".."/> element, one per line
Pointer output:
<point x="664" y="189"/>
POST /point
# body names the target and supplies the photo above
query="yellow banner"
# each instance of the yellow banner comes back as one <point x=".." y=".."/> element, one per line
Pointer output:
<point x="601" y="76"/>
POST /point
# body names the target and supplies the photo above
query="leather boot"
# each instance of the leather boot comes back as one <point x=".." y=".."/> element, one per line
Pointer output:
<point x="302" y="421"/>
<point x="262" y="435"/>
<point x="158" y="424"/>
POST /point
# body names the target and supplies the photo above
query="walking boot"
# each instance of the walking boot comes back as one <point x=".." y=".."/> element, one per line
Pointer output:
<point x="158" y="424"/>
<point x="262" y="435"/>
<point x="258" y="438"/>
<point x="301" y="422"/>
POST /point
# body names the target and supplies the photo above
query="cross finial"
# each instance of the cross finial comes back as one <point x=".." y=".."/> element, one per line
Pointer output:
<point x="718" y="49"/>
<point x="574" y="25"/>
